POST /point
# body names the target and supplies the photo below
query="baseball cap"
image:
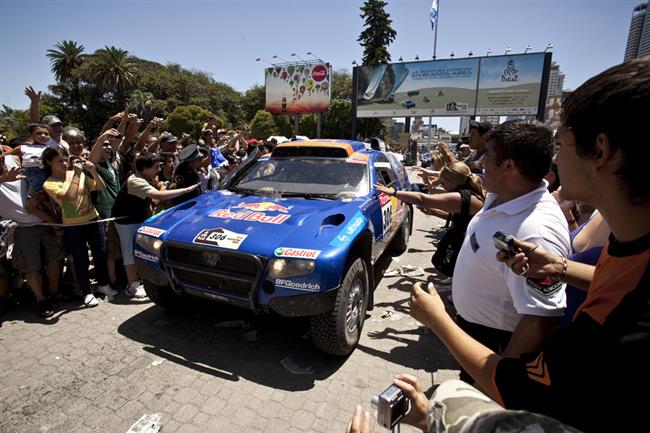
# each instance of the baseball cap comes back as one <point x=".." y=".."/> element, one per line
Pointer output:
<point x="191" y="152"/>
<point x="168" y="138"/>
<point x="482" y="127"/>
<point x="51" y="119"/>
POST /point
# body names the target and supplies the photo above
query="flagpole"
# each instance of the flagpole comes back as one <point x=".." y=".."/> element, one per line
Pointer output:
<point x="435" y="33"/>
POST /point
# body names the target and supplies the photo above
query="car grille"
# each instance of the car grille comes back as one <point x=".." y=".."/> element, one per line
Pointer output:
<point x="216" y="271"/>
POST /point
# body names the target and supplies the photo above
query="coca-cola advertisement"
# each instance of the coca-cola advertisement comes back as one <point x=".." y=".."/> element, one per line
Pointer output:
<point x="299" y="88"/>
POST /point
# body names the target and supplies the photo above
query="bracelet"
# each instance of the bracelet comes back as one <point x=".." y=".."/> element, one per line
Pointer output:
<point x="565" y="265"/>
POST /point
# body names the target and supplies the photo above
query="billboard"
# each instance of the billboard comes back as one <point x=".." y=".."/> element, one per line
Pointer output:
<point x="510" y="85"/>
<point x="298" y="88"/>
<point x="435" y="88"/>
<point x="500" y="85"/>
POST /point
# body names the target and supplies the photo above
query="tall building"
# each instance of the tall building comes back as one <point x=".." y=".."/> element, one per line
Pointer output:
<point x="638" y="40"/>
<point x="555" y="81"/>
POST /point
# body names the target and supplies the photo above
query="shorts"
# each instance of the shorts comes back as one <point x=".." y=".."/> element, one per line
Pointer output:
<point x="113" y="250"/>
<point x="36" y="177"/>
<point x="30" y="243"/>
<point x="127" y="233"/>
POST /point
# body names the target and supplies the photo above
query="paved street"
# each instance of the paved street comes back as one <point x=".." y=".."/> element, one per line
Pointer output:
<point x="101" y="369"/>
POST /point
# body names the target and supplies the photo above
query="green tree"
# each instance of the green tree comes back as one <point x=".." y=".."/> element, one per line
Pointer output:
<point x="337" y="123"/>
<point x="341" y="85"/>
<point x="142" y="103"/>
<point x="263" y="125"/>
<point x="66" y="59"/>
<point x="253" y="100"/>
<point x="308" y="125"/>
<point x="113" y="71"/>
<point x="378" y="33"/>
<point x="284" y="125"/>
<point x="187" y="118"/>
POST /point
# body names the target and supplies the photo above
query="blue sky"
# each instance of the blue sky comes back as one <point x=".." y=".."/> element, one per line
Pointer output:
<point x="224" y="37"/>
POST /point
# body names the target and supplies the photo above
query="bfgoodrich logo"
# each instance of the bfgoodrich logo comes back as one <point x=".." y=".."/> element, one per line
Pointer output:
<point x="297" y="285"/>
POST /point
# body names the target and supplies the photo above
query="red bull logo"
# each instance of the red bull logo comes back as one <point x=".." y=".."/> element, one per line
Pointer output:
<point x="264" y="206"/>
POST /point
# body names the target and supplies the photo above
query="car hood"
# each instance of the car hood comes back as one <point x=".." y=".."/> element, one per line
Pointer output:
<point x="264" y="222"/>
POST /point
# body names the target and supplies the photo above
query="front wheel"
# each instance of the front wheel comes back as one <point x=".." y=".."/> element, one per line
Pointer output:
<point x="338" y="331"/>
<point x="164" y="296"/>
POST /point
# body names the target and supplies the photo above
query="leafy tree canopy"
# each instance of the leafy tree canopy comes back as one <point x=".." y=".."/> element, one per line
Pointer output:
<point x="378" y="33"/>
<point x="187" y="118"/>
<point x="263" y="125"/>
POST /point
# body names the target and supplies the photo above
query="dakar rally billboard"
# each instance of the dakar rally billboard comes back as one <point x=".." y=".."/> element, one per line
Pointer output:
<point x="298" y="88"/>
<point x="499" y="85"/>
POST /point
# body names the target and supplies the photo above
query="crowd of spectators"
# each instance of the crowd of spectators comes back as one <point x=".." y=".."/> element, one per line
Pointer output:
<point x="62" y="197"/>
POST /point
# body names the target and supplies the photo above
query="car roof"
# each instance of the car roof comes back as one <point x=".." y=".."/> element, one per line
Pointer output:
<point x="339" y="147"/>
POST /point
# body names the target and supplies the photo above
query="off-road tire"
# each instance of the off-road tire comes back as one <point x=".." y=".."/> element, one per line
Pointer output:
<point x="331" y="331"/>
<point x="164" y="296"/>
<point x="400" y="242"/>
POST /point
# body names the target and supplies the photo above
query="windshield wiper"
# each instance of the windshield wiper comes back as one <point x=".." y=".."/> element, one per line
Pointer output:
<point x="242" y="190"/>
<point x="309" y="195"/>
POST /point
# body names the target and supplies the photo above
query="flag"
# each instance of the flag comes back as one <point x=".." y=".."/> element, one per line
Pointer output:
<point x="217" y="159"/>
<point x="434" y="14"/>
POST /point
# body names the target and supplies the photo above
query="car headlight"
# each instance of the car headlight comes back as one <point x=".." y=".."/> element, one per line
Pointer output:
<point x="148" y="243"/>
<point x="282" y="268"/>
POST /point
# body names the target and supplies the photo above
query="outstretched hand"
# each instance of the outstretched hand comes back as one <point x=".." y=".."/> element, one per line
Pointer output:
<point x="384" y="189"/>
<point x="12" y="174"/>
<point x="32" y="94"/>
<point x="426" y="305"/>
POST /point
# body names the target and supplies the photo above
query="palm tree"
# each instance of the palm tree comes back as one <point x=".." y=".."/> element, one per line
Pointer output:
<point x="141" y="103"/>
<point x="113" y="71"/>
<point x="66" y="59"/>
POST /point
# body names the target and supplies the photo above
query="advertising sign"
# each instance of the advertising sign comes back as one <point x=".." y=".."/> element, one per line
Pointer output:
<point x="433" y="88"/>
<point x="510" y="85"/>
<point x="298" y="88"/>
<point x="483" y="86"/>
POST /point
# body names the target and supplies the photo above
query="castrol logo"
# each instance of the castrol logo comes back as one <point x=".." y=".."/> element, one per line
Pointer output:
<point x="319" y="73"/>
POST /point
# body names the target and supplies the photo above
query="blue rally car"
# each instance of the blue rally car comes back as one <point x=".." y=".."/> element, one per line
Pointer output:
<point x="296" y="233"/>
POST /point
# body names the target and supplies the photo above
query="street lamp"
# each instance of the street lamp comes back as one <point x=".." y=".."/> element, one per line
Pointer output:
<point x="400" y="59"/>
<point x="528" y="48"/>
<point x="452" y="55"/>
<point x="417" y="57"/>
<point x="309" y="53"/>
<point x="470" y="54"/>
<point x="548" y="47"/>
<point x="296" y="55"/>
<point x="354" y="62"/>
<point x="489" y="51"/>
<point x="508" y="50"/>
<point x="278" y="57"/>
<point x="259" y="59"/>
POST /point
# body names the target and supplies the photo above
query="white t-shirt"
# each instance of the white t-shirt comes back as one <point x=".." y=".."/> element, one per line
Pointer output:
<point x="486" y="291"/>
<point x="13" y="196"/>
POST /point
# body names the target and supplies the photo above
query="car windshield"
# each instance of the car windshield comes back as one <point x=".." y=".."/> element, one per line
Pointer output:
<point x="315" y="177"/>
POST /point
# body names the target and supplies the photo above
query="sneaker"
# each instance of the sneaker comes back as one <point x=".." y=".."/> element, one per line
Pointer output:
<point x="106" y="290"/>
<point x="135" y="290"/>
<point x="90" y="301"/>
<point x="44" y="309"/>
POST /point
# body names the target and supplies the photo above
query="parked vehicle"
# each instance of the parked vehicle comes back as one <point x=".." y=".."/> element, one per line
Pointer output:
<point x="407" y="103"/>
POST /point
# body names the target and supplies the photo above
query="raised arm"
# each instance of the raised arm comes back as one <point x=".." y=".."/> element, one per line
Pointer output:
<point x="151" y="126"/>
<point x="171" y="193"/>
<point x="35" y="104"/>
<point x="99" y="182"/>
<point x="95" y="153"/>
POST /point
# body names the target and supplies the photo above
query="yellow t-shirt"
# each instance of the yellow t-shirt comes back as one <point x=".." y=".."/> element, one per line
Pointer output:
<point x="80" y="210"/>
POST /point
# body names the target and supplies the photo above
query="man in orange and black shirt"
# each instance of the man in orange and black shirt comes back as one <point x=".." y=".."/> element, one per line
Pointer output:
<point x="594" y="374"/>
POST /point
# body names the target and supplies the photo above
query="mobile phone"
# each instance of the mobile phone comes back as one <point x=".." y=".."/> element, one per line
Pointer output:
<point x="504" y="243"/>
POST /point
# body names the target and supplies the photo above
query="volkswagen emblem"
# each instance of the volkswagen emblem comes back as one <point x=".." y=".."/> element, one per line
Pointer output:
<point x="211" y="259"/>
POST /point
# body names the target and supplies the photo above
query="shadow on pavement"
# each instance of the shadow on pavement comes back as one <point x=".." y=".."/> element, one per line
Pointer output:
<point x="247" y="346"/>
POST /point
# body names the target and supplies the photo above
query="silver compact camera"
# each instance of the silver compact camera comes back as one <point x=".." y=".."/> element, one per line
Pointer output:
<point x="504" y="243"/>
<point x="391" y="406"/>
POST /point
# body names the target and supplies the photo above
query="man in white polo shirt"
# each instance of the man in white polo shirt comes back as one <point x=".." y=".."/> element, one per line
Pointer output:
<point x="509" y="313"/>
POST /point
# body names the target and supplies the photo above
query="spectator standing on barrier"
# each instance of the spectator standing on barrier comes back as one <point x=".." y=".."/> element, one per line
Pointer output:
<point x="34" y="246"/>
<point x="132" y="206"/>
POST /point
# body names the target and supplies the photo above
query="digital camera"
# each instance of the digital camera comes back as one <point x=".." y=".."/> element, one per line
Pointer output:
<point x="391" y="406"/>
